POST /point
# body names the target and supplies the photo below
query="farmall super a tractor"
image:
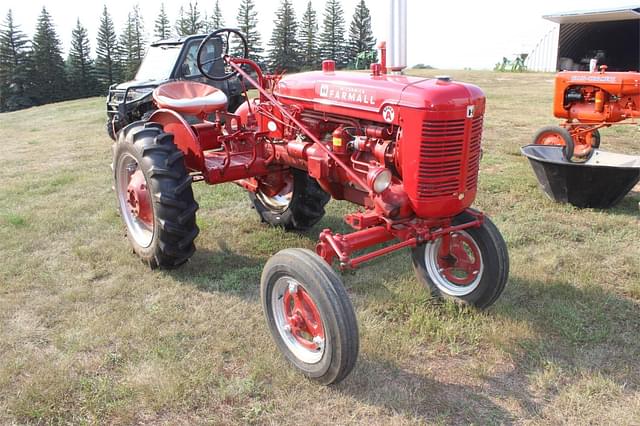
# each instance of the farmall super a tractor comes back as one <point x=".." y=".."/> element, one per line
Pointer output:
<point x="588" y="101"/>
<point x="406" y="150"/>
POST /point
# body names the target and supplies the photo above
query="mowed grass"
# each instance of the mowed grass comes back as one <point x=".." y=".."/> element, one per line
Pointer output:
<point x="90" y="335"/>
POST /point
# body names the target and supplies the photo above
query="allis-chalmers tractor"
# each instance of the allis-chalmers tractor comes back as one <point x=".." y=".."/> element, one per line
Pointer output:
<point x="407" y="150"/>
<point x="589" y="101"/>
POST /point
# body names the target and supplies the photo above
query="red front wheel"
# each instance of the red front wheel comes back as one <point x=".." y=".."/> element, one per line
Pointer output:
<point x="471" y="266"/>
<point x="310" y="315"/>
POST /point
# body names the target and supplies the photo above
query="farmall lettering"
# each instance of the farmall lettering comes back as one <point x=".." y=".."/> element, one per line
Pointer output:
<point x="349" y="94"/>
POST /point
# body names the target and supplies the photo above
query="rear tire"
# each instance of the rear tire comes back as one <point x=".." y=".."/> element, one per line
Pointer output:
<point x="297" y="208"/>
<point x="310" y="315"/>
<point x="164" y="236"/>
<point x="486" y="251"/>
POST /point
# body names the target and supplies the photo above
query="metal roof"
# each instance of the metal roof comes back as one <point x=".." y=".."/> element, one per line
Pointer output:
<point x="598" y="15"/>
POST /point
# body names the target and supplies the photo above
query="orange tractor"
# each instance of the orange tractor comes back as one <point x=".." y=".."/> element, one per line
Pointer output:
<point x="589" y="101"/>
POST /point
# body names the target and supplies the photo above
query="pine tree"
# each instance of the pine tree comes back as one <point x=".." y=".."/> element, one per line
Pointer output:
<point x="361" y="46"/>
<point x="14" y="67"/>
<point x="309" y="50"/>
<point x="191" y="22"/>
<point x="80" y="66"/>
<point x="248" y="24"/>
<point x="217" y="21"/>
<point x="284" y="52"/>
<point x="47" y="69"/>
<point x="132" y="43"/>
<point x="162" y="30"/>
<point x="108" y="69"/>
<point x="332" y="44"/>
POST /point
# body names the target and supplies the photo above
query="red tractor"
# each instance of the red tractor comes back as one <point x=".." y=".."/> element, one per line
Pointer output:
<point x="407" y="150"/>
<point x="589" y="101"/>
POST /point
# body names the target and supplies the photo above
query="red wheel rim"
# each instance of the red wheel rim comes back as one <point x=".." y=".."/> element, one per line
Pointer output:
<point x="550" y="138"/>
<point x="303" y="317"/>
<point x="462" y="263"/>
<point x="139" y="199"/>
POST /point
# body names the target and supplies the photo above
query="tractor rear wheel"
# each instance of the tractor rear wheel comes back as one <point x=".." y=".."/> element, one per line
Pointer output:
<point x="298" y="206"/>
<point x="154" y="195"/>
<point x="475" y="269"/>
<point x="310" y="315"/>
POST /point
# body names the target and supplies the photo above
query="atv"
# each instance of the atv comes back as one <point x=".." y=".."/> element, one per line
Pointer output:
<point x="165" y="61"/>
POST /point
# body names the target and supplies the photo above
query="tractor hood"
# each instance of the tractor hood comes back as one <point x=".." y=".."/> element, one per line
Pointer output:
<point x="353" y="92"/>
<point x="134" y="83"/>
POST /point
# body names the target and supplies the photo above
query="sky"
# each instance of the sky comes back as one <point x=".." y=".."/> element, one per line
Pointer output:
<point x="452" y="34"/>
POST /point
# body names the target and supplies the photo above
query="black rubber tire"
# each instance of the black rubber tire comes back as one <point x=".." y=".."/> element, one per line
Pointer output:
<point x="305" y="209"/>
<point x="174" y="208"/>
<point x="495" y="258"/>
<point x="595" y="138"/>
<point x="325" y="288"/>
<point x="569" y="146"/>
<point x="109" y="128"/>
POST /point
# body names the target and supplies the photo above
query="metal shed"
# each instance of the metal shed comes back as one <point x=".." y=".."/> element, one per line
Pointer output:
<point x="611" y="35"/>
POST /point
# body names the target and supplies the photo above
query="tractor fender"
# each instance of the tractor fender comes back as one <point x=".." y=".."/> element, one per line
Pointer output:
<point x="183" y="136"/>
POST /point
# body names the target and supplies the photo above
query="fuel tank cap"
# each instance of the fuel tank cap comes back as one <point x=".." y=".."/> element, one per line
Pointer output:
<point x="443" y="78"/>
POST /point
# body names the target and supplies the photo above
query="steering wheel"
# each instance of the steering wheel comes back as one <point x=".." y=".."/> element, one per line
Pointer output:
<point x="203" y="53"/>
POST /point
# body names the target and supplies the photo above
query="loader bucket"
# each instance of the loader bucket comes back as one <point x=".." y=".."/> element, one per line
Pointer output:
<point x="600" y="182"/>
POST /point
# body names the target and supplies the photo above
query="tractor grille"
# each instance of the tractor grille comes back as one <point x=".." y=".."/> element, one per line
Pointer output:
<point x="443" y="151"/>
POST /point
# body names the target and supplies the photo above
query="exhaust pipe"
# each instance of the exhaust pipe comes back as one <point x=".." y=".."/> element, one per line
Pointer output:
<point x="397" y="45"/>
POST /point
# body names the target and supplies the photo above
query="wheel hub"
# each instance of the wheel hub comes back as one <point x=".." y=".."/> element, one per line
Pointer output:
<point x="461" y="263"/>
<point x="302" y="317"/>
<point x="138" y="199"/>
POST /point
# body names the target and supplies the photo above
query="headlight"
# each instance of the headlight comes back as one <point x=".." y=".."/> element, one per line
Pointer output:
<point x="134" y="94"/>
<point x="379" y="179"/>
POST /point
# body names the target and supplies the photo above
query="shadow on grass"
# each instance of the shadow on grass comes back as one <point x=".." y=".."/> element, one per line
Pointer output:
<point x="222" y="271"/>
<point x="579" y="331"/>
<point x="380" y="383"/>
<point x="629" y="206"/>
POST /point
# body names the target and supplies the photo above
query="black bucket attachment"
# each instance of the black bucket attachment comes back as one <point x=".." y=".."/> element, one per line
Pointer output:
<point x="600" y="182"/>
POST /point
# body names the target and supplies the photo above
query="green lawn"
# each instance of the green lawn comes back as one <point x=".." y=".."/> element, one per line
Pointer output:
<point x="88" y="334"/>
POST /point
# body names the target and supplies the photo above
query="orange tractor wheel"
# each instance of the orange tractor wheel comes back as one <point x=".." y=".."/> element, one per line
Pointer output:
<point x="578" y="143"/>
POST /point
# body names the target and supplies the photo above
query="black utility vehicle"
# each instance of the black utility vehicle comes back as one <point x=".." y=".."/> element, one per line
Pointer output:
<point x="165" y="60"/>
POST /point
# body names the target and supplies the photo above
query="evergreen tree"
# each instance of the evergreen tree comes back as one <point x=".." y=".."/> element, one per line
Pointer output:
<point x="332" y="44"/>
<point x="132" y="43"/>
<point x="361" y="46"/>
<point x="309" y="50"/>
<point x="162" y="30"/>
<point x="14" y="67"/>
<point x="191" y="22"/>
<point x="284" y="52"/>
<point x="80" y="66"/>
<point x="217" y="21"/>
<point x="107" y="53"/>
<point x="248" y="25"/>
<point x="47" y="66"/>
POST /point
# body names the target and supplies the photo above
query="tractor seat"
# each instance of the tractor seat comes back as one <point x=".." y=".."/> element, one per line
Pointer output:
<point x="189" y="97"/>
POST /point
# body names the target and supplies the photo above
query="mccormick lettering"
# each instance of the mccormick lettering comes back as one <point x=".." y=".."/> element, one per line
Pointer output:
<point x="347" y="94"/>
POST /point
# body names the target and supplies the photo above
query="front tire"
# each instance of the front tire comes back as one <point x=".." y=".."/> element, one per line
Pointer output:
<point x="556" y="135"/>
<point x="474" y="271"/>
<point x="154" y="195"/>
<point x="310" y="315"/>
<point x="298" y="206"/>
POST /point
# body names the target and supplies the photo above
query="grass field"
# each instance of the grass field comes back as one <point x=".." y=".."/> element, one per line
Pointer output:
<point x="89" y="335"/>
